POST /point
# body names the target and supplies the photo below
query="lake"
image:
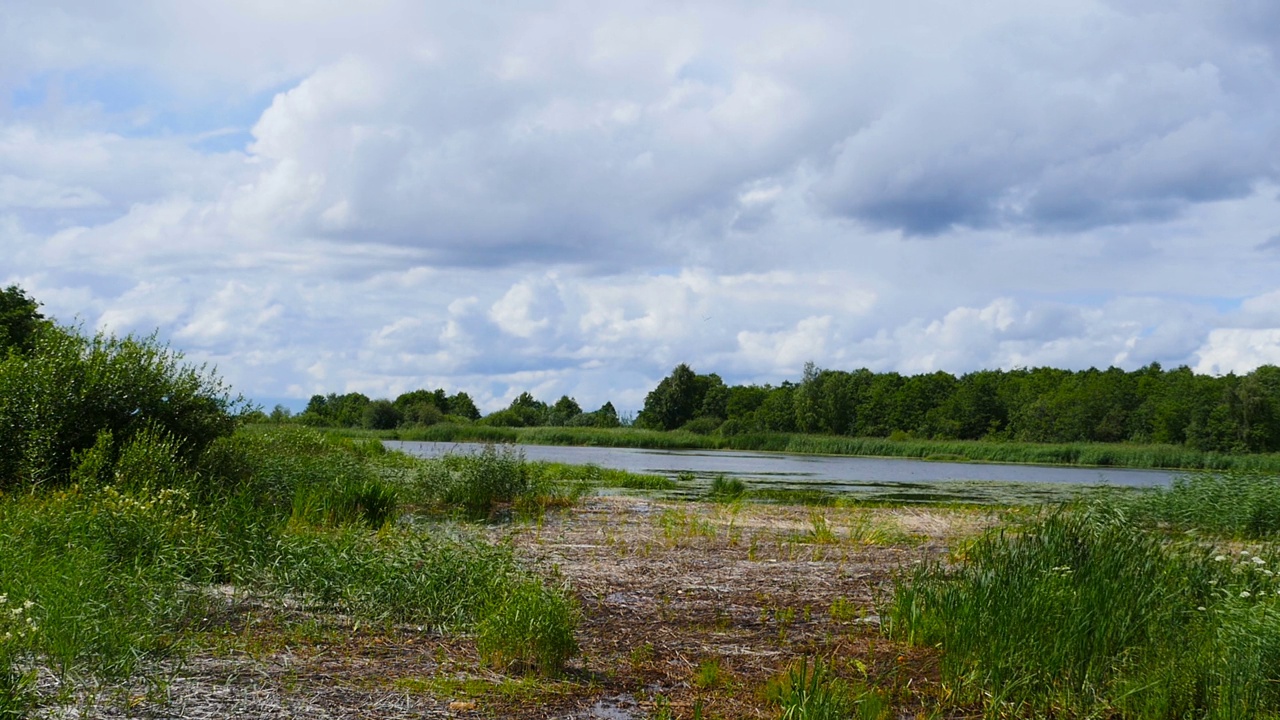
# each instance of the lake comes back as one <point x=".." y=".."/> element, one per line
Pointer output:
<point x="897" y="479"/>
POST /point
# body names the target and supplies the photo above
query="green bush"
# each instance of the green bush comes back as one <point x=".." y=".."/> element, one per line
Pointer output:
<point x="56" y="399"/>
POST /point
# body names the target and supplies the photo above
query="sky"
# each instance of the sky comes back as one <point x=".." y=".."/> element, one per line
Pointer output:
<point x="574" y="197"/>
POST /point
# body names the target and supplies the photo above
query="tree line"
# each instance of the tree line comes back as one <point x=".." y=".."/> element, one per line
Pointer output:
<point x="422" y="408"/>
<point x="1229" y="413"/>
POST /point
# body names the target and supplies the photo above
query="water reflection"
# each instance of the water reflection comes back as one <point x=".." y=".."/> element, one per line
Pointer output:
<point x="890" y="479"/>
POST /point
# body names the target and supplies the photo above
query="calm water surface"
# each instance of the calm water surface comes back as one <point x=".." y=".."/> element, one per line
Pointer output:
<point x="881" y="478"/>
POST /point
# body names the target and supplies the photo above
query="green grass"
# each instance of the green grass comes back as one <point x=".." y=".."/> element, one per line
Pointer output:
<point x="1082" y="454"/>
<point x="1080" y="613"/>
<point x="594" y="476"/>
<point x="529" y="628"/>
<point x="810" y="691"/>
<point x="1237" y="504"/>
<point x="288" y="514"/>
<point x="496" y="476"/>
<point x="726" y="489"/>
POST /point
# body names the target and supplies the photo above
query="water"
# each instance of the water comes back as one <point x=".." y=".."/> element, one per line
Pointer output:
<point x="877" y="478"/>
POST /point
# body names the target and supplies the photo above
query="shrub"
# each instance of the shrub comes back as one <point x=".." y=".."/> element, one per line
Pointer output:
<point x="703" y="425"/>
<point x="56" y="399"/>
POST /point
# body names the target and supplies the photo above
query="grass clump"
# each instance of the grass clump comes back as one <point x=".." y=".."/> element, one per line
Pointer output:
<point x="726" y="489"/>
<point x="1080" y="613"/>
<point x="479" y="482"/>
<point x="594" y="476"/>
<point x="409" y="576"/>
<point x="808" y="690"/>
<point x="529" y="629"/>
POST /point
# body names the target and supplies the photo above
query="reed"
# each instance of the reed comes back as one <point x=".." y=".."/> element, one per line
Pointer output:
<point x="1081" y="614"/>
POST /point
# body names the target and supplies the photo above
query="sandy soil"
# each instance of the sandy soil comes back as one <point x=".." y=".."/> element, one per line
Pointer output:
<point x="684" y="605"/>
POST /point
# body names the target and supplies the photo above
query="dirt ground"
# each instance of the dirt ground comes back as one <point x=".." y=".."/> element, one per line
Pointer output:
<point x="688" y="610"/>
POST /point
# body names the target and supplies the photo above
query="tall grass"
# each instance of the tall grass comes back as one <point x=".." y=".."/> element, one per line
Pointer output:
<point x="1238" y="504"/>
<point x="1085" y="454"/>
<point x="530" y="627"/>
<point x="1081" y="614"/>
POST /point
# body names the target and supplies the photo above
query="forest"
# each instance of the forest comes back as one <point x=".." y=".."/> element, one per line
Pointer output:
<point x="1150" y="405"/>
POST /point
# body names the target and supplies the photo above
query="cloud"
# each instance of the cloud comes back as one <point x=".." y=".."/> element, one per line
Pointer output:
<point x="1239" y="350"/>
<point x="575" y="199"/>
<point x="527" y="308"/>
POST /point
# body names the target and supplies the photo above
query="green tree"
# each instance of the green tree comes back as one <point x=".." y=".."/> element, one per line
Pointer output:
<point x="19" y="319"/>
<point x="69" y="391"/>
<point x="674" y="402"/>
<point x="381" y="415"/>
<point x="564" y="411"/>
<point x="461" y="405"/>
<point x="524" y="411"/>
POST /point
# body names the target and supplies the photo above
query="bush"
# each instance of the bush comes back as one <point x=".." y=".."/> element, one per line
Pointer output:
<point x="702" y="425"/>
<point x="56" y="400"/>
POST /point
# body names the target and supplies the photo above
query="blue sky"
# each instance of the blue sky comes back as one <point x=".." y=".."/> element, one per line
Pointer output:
<point x="572" y="198"/>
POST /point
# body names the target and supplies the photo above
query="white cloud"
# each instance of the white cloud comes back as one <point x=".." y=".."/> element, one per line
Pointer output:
<point x="527" y="308"/>
<point x="787" y="350"/>
<point x="1238" y="350"/>
<point x="574" y="198"/>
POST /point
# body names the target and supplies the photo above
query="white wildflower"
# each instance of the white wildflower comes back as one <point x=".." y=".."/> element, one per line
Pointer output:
<point x="1258" y="561"/>
<point x="1220" y="558"/>
<point x="1245" y="594"/>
